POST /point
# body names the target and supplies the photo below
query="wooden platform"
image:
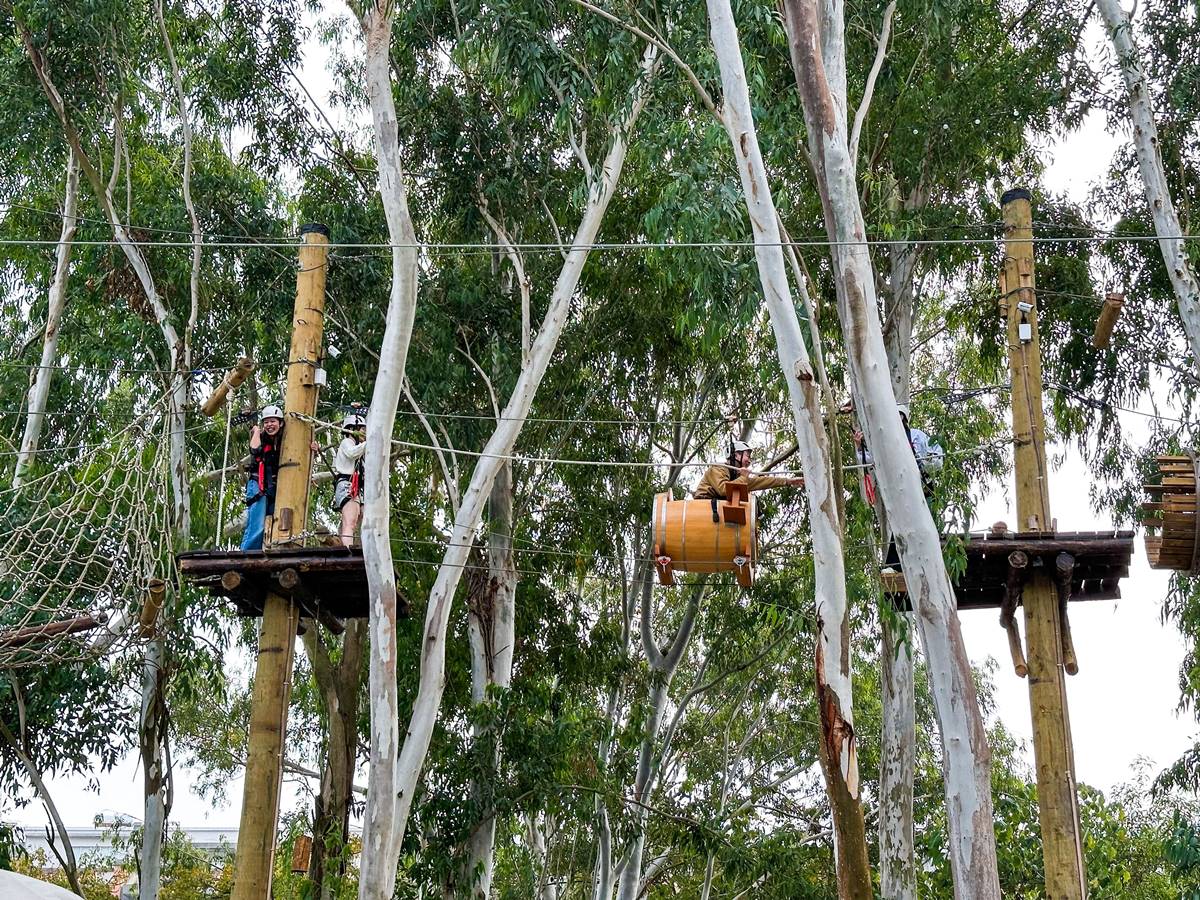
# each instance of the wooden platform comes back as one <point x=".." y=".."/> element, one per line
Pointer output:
<point x="1101" y="561"/>
<point x="1172" y="516"/>
<point x="328" y="583"/>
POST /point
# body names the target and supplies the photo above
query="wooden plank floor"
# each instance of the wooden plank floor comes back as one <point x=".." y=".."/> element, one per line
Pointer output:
<point x="1101" y="561"/>
<point x="329" y="583"/>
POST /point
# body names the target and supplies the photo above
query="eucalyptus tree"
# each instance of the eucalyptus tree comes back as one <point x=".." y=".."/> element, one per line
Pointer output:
<point x="832" y="663"/>
<point x="816" y="35"/>
<point x="956" y="99"/>
<point x="1171" y="242"/>
<point x="394" y="780"/>
<point x="54" y="720"/>
<point x="112" y="71"/>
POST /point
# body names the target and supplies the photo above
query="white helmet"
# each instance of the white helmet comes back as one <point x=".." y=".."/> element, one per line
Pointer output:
<point x="271" y="412"/>
<point x="739" y="446"/>
<point x="354" y="420"/>
<point x="902" y="408"/>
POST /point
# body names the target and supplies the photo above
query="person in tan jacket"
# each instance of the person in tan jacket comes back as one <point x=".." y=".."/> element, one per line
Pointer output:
<point x="712" y="485"/>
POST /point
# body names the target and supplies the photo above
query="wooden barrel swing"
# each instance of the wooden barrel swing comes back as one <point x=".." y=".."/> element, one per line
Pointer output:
<point x="686" y="539"/>
<point x="1170" y="516"/>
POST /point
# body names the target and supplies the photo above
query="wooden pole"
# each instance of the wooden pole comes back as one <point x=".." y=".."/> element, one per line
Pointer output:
<point x="276" y="642"/>
<point x="233" y="379"/>
<point x="1054" y="756"/>
<point x="1108" y="318"/>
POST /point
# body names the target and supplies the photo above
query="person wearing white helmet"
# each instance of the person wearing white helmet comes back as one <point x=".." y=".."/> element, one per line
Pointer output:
<point x="348" y="475"/>
<point x="737" y="468"/>
<point x="929" y="458"/>
<point x="928" y="454"/>
<point x="265" y="439"/>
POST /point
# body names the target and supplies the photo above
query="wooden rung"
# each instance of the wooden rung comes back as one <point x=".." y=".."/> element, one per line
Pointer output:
<point x="733" y="513"/>
<point x="893" y="582"/>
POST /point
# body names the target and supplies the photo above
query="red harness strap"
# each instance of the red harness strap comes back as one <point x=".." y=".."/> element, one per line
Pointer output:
<point x="354" y="485"/>
<point x="264" y="449"/>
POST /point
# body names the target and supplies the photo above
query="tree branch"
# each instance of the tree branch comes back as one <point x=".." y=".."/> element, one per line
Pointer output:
<point x="704" y="96"/>
<point x="869" y="91"/>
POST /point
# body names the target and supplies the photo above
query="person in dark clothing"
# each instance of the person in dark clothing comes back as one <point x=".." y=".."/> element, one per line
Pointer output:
<point x="265" y="439"/>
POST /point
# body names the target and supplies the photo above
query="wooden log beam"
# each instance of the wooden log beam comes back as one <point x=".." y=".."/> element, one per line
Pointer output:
<point x="1107" y="546"/>
<point x="232" y="380"/>
<point x="1108" y="318"/>
<point x="194" y="567"/>
<point x="19" y="637"/>
<point x="281" y="618"/>
<point x="1054" y="757"/>
<point x="156" y="594"/>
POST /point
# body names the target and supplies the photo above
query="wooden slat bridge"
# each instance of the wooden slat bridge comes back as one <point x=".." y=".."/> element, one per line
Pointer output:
<point x="329" y="584"/>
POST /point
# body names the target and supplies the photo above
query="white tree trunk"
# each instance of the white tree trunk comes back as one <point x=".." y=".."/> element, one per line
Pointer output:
<point x="547" y="887"/>
<point x="663" y="665"/>
<point x="898" y="317"/>
<point x="491" y="623"/>
<point x="967" y="757"/>
<point x="197" y="234"/>
<point x="382" y="833"/>
<point x="40" y="391"/>
<point x="833" y="663"/>
<point x="393" y="786"/>
<point x="153" y="722"/>
<point x="897" y="752"/>
<point x="1154" y="178"/>
<point x="155" y="777"/>
<point x="897" y="763"/>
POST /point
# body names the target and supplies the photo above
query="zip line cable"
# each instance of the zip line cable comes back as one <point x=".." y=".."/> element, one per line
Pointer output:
<point x="618" y="464"/>
<point x="608" y="246"/>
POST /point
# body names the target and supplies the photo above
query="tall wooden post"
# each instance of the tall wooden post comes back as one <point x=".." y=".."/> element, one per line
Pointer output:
<point x="1054" y="756"/>
<point x="277" y="639"/>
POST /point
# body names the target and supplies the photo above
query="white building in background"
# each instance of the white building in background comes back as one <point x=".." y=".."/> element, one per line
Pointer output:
<point x="97" y="841"/>
<point x="90" y="838"/>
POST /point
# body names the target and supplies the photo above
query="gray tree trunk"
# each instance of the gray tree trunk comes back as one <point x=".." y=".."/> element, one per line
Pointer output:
<point x="40" y="391"/>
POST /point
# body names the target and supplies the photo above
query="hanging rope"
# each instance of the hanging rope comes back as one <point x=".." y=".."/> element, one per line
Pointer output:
<point x="224" y="467"/>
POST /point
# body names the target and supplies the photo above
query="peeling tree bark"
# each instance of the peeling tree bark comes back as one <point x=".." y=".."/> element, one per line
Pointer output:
<point x="40" y="391"/>
<point x="816" y="35"/>
<point x="1154" y="177"/>
<point x="897" y="752"/>
<point x="156" y="775"/>
<point x="839" y="755"/>
<point x="393" y="781"/>
<point x="491" y="623"/>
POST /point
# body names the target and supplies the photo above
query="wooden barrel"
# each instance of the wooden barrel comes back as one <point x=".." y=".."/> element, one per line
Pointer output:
<point x="687" y="539"/>
<point x="1170" y="516"/>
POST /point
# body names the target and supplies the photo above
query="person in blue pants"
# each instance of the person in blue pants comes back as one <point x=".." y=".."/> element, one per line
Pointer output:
<point x="265" y="439"/>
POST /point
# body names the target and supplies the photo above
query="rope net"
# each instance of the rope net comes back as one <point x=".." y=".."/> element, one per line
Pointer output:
<point x="81" y="545"/>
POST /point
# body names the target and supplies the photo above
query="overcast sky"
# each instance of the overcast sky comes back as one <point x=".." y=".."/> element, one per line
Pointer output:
<point x="1122" y="702"/>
